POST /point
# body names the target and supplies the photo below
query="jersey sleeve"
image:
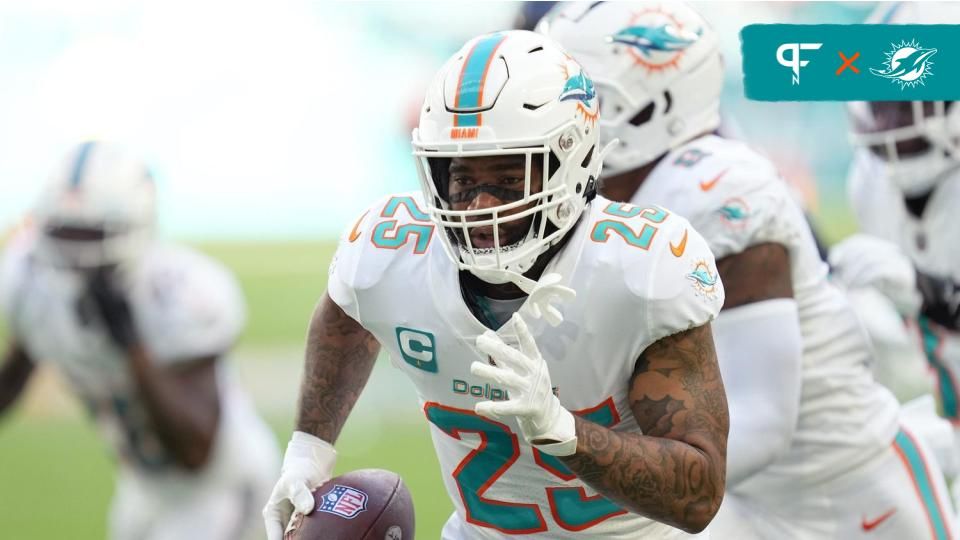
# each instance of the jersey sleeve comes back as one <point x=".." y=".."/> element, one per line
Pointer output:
<point x="683" y="288"/>
<point x="344" y="267"/>
<point x="362" y="258"/>
<point x="187" y="307"/>
<point x="749" y="205"/>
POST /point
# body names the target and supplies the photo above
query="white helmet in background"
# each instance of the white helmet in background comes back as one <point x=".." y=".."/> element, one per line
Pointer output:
<point x="510" y="93"/>
<point x="657" y="68"/>
<point x="98" y="208"/>
<point x="918" y="142"/>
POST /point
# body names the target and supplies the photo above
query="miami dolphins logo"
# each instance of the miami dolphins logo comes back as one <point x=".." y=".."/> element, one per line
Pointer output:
<point x="705" y="282"/>
<point x="579" y="88"/>
<point x="734" y="213"/>
<point x="656" y="39"/>
<point x="907" y="64"/>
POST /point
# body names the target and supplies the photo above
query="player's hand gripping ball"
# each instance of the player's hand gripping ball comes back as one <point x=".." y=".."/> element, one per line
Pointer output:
<point x="368" y="504"/>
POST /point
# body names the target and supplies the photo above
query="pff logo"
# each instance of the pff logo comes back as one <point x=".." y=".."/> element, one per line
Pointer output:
<point x="794" y="62"/>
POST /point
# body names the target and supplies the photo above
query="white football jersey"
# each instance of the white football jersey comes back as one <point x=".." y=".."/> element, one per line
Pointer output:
<point x="736" y="199"/>
<point x="640" y="273"/>
<point x="931" y="241"/>
<point x="185" y="306"/>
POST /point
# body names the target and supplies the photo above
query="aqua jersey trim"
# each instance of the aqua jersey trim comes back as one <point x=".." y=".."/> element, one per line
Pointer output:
<point x="912" y="459"/>
<point x="945" y="381"/>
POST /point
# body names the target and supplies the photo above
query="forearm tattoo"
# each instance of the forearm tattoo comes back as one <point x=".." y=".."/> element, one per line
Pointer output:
<point x="339" y="358"/>
<point x="675" y="471"/>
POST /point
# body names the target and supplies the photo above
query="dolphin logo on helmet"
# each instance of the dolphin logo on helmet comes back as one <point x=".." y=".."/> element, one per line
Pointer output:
<point x="578" y="87"/>
<point x="664" y="38"/>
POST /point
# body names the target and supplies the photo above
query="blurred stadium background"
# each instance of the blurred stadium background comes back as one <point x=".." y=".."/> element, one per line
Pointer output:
<point x="271" y="124"/>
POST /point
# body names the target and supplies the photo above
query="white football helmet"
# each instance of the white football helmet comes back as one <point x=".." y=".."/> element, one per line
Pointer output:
<point x="510" y="93"/>
<point x="657" y="68"/>
<point x="918" y="142"/>
<point x="97" y="208"/>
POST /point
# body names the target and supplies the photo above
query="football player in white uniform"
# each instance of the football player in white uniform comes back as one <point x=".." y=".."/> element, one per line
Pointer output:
<point x="554" y="414"/>
<point x="139" y="329"/>
<point x="881" y="284"/>
<point x="815" y="447"/>
<point x="904" y="186"/>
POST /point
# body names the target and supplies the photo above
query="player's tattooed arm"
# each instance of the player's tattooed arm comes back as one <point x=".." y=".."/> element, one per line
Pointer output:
<point x="760" y="272"/>
<point x="339" y="358"/>
<point x="15" y="371"/>
<point x="673" y="473"/>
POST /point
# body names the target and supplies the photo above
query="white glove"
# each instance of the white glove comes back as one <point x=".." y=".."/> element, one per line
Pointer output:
<point x="307" y="464"/>
<point x="863" y="261"/>
<point x="543" y="422"/>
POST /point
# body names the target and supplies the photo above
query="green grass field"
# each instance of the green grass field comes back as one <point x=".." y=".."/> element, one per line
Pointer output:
<point x="56" y="476"/>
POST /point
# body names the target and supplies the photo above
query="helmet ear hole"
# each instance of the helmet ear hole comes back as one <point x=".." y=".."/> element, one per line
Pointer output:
<point x="643" y="116"/>
<point x="553" y="164"/>
<point x="586" y="161"/>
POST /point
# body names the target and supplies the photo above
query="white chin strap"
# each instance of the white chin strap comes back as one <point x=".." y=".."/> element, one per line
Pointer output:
<point x="498" y="276"/>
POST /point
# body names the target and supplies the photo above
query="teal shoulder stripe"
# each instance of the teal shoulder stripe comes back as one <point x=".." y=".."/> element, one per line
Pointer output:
<point x="921" y="477"/>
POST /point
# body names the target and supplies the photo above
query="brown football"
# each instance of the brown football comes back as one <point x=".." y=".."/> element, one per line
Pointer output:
<point x="368" y="504"/>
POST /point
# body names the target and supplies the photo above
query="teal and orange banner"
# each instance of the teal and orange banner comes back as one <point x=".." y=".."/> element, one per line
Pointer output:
<point x="834" y="62"/>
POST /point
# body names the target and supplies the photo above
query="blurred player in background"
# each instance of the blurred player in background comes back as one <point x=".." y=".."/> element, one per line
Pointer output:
<point x="140" y="330"/>
<point x="530" y="14"/>
<point x="612" y="424"/>
<point x="904" y="186"/>
<point x="816" y="448"/>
